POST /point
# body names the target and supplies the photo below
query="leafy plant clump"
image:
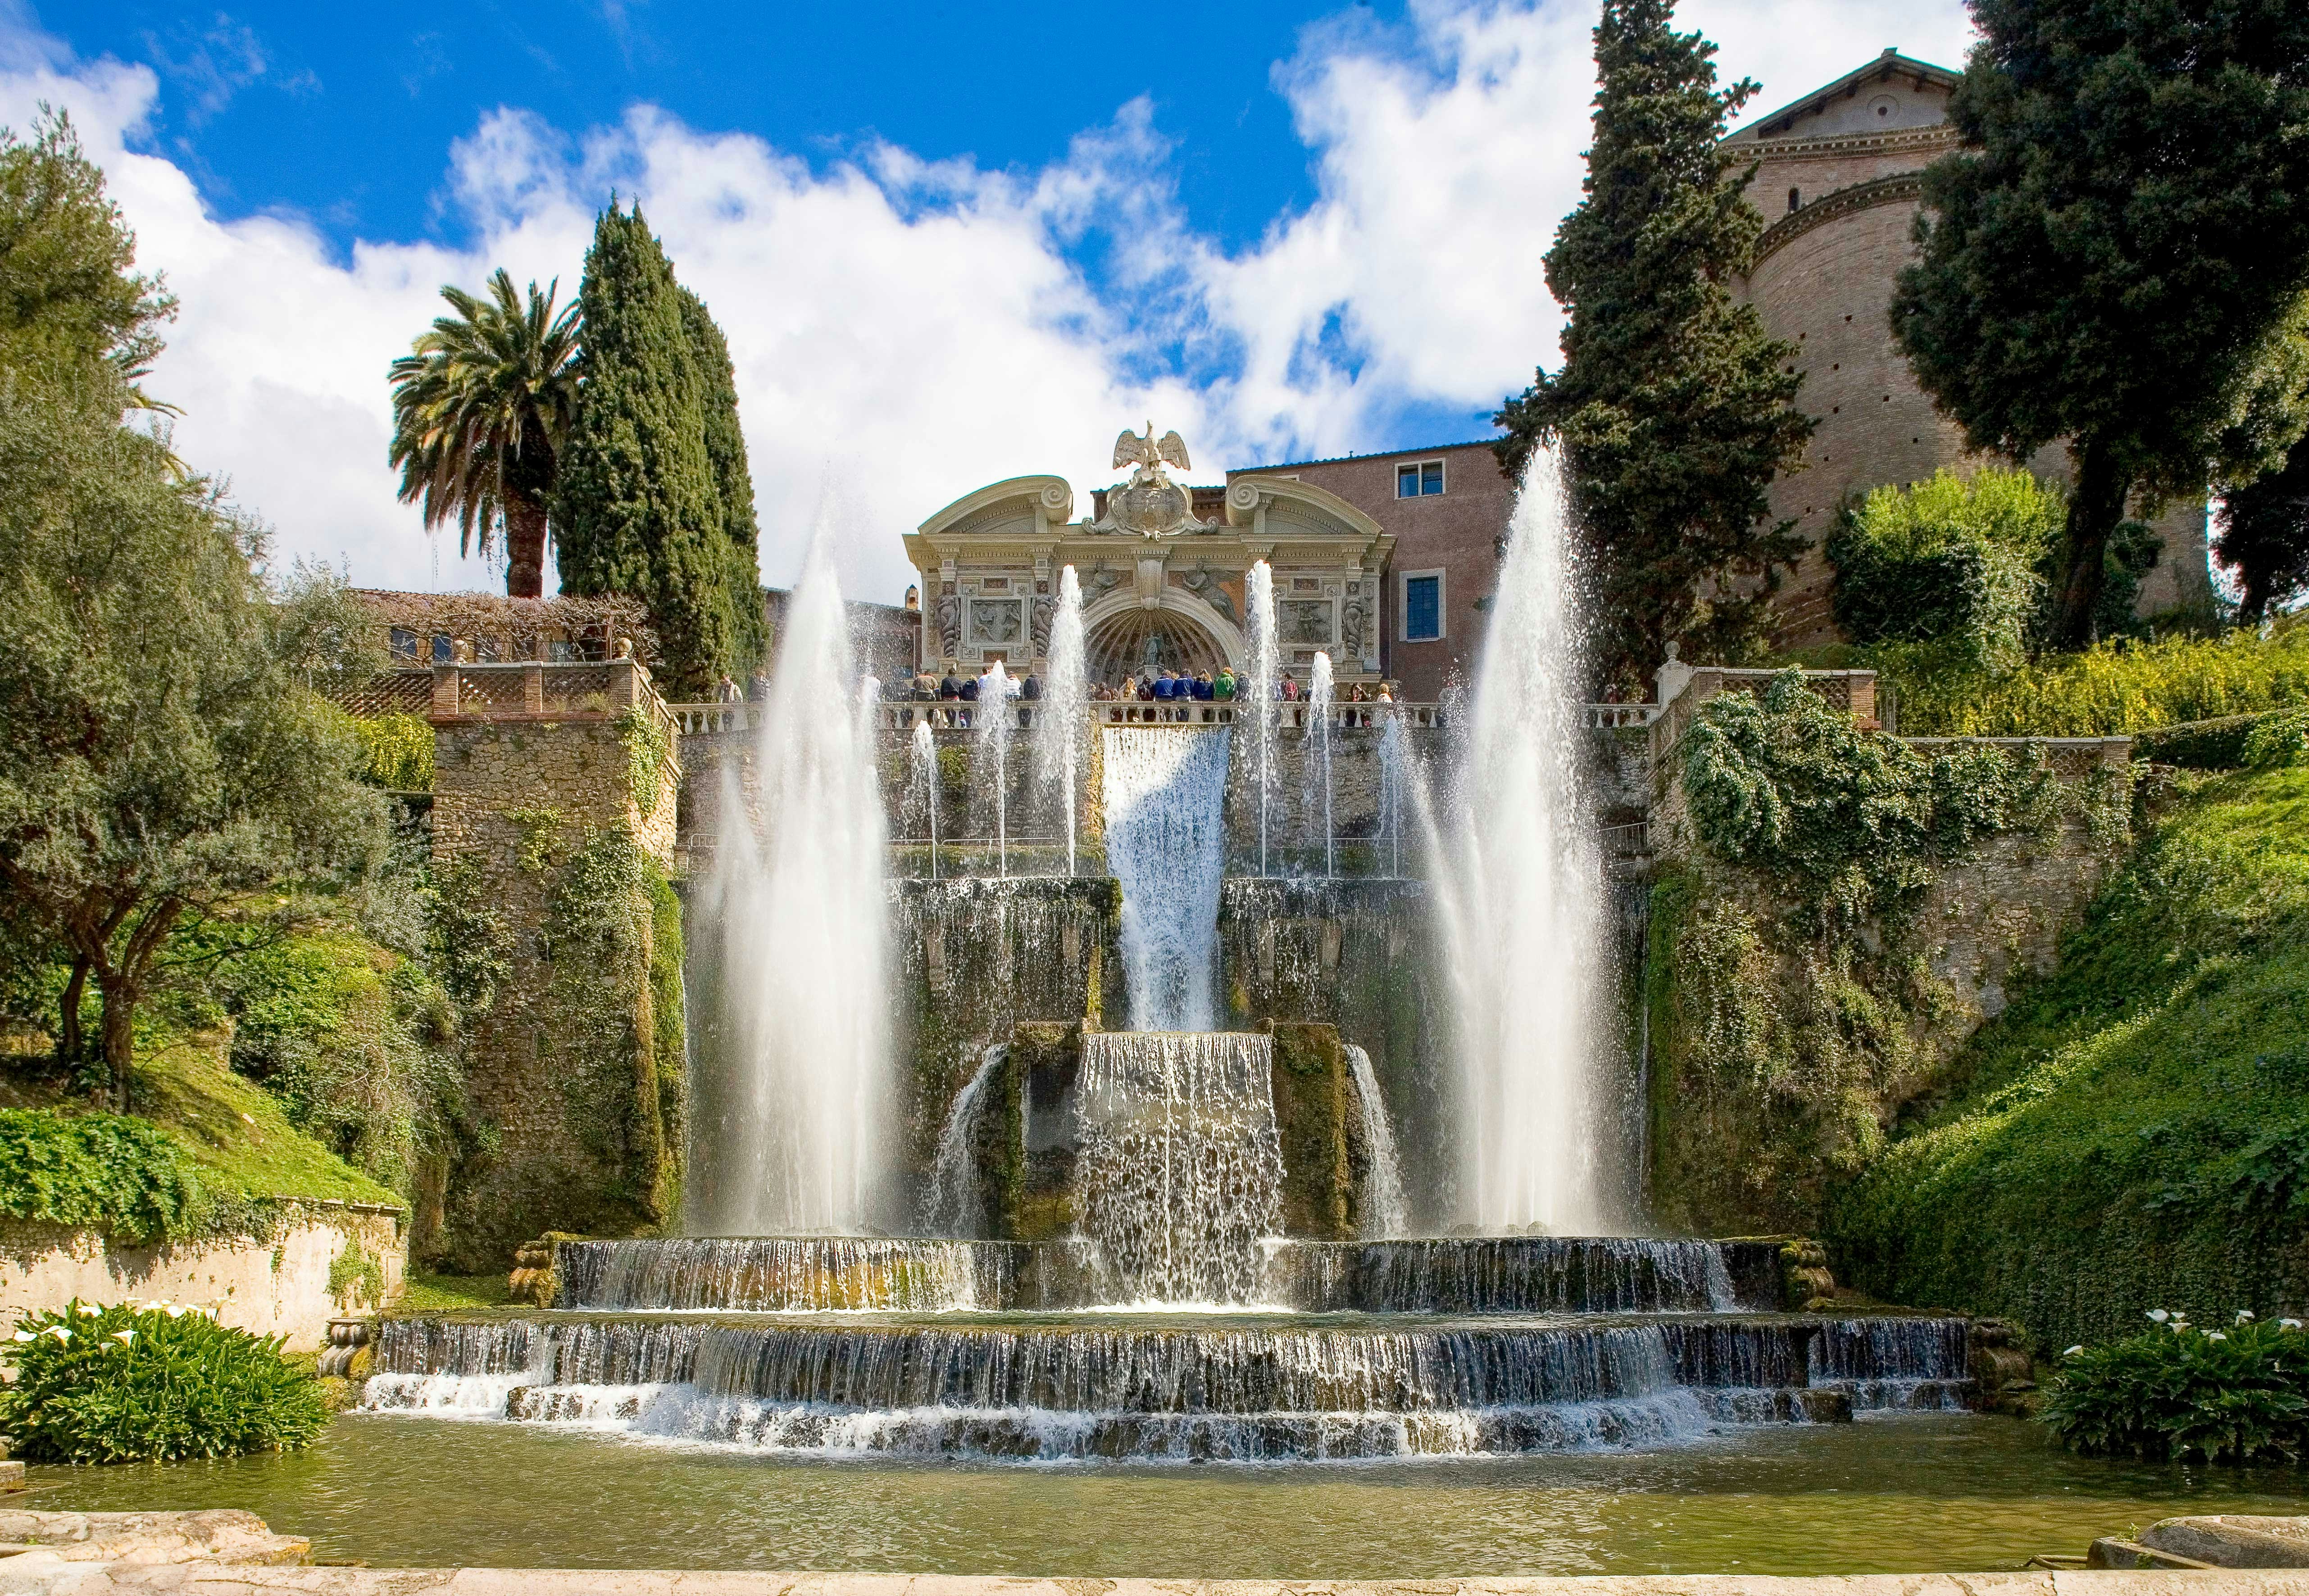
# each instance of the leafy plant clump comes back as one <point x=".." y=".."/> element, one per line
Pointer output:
<point x="2237" y="1395"/>
<point x="397" y="752"/>
<point x="1791" y="786"/>
<point x="135" y="1381"/>
<point x="2113" y="688"/>
<point x="1955" y="564"/>
<point x="106" y="1171"/>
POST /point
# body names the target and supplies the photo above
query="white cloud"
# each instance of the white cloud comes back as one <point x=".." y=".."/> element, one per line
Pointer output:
<point x="906" y="330"/>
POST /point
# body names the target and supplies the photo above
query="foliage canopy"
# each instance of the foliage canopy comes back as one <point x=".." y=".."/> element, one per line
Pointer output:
<point x="2118" y="255"/>
<point x="1672" y="406"/>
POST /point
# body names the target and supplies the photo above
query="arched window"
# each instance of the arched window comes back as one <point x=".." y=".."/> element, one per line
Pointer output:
<point x="1796" y="199"/>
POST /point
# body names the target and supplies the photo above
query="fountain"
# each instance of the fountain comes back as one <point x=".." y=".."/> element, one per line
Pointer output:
<point x="1519" y="898"/>
<point x="1259" y="591"/>
<point x="1059" y="729"/>
<point x="922" y="781"/>
<point x="1321" y="698"/>
<point x="795" y="1139"/>
<point x="1168" y="1242"/>
<point x="992" y="717"/>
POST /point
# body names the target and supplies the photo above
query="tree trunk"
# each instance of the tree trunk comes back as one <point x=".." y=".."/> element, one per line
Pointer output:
<point x="2096" y="505"/>
<point x="524" y="546"/>
<point x="68" y="1037"/>
<point x="119" y="1037"/>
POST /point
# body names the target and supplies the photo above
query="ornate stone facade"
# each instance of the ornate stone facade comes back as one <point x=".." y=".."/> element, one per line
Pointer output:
<point x="1162" y="567"/>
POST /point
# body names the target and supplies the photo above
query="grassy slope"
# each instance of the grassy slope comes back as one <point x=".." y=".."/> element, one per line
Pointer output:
<point x="234" y="1132"/>
<point x="2134" y="1131"/>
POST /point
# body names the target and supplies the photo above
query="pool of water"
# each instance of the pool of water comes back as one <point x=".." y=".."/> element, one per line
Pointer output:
<point x="1888" y="1494"/>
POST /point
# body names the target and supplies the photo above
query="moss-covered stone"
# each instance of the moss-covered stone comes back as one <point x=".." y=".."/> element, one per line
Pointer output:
<point x="1319" y="1121"/>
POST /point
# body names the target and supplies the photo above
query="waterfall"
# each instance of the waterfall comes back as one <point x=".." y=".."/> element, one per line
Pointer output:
<point x="1058" y="728"/>
<point x="1166" y="843"/>
<point x="1519" y="900"/>
<point x="922" y="753"/>
<point x="954" y="1205"/>
<point x="791" y="1135"/>
<point x="992" y="717"/>
<point x="1386" y="1212"/>
<point x="1259" y="592"/>
<point x="1321" y="694"/>
<point x="1181" y="1167"/>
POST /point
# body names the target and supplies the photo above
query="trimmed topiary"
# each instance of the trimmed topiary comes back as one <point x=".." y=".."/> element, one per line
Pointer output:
<point x="2233" y="1394"/>
<point x="150" y="1381"/>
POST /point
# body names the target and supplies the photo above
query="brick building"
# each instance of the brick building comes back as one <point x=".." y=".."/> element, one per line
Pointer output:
<point x="1838" y="179"/>
<point x="1447" y="507"/>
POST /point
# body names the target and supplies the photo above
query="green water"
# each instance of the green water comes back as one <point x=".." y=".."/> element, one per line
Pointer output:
<point x="1889" y="1493"/>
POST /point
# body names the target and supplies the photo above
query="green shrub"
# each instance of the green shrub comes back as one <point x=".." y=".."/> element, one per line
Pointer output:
<point x="1853" y="819"/>
<point x="2216" y="744"/>
<point x="399" y="751"/>
<point x="133" y="1382"/>
<point x="2115" y="687"/>
<point x="108" y="1171"/>
<point x="2237" y="1395"/>
<point x="1953" y="562"/>
<point x="2275" y="740"/>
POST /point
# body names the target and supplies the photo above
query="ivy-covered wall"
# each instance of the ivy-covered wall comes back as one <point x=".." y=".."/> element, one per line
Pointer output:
<point x="552" y="841"/>
<point x="1836" y="911"/>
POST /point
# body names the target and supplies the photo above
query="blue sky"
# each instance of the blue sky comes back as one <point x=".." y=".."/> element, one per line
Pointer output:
<point x="949" y="244"/>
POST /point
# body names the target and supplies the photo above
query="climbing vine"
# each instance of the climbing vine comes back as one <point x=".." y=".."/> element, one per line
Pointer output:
<point x="649" y="755"/>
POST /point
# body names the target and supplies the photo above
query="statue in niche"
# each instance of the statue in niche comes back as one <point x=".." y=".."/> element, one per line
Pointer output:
<point x="1205" y="587"/>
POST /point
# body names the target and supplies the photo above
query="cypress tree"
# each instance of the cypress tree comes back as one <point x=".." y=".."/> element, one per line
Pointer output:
<point x="2119" y="252"/>
<point x="637" y="510"/>
<point x="1672" y="406"/>
<point x="733" y="485"/>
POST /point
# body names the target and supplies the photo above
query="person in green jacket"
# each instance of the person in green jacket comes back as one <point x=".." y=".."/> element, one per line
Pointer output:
<point x="1226" y="687"/>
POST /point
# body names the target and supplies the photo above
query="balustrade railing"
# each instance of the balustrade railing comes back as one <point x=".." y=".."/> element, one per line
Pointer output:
<point x="1610" y="717"/>
<point x="706" y="720"/>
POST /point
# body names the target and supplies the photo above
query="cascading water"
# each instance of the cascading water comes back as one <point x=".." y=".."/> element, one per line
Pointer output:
<point x="1166" y="843"/>
<point x="923" y="783"/>
<point x="1182" y="1164"/>
<point x="1520" y="895"/>
<point x="992" y="716"/>
<point x="790" y="1135"/>
<point x="1386" y="1210"/>
<point x="954" y="1205"/>
<point x="1059" y="728"/>
<point x="1265" y="668"/>
<point x="1319" y="696"/>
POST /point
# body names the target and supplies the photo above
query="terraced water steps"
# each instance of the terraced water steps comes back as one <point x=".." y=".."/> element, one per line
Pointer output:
<point x="1176" y="1387"/>
<point x="1442" y="1275"/>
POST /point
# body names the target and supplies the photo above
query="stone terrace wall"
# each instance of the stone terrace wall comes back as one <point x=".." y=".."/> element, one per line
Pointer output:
<point x="532" y="767"/>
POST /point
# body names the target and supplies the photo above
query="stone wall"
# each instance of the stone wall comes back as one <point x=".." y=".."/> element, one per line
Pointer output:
<point x="538" y="818"/>
<point x="279" y="1284"/>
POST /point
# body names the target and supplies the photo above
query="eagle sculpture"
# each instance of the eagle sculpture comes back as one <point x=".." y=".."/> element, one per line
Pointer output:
<point x="1130" y="450"/>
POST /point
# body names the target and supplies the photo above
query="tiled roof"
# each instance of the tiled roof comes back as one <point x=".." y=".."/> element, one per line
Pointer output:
<point x="1425" y="448"/>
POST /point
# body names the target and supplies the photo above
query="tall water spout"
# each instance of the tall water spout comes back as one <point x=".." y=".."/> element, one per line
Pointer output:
<point x="1318" y="728"/>
<point x="1059" y="728"/>
<point x="1265" y="667"/>
<point x="992" y="717"/>
<point x="922" y="749"/>
<point x="791" y="1137"/>
<point x="1521" y="897"/>
<point x="1396" y="772"/>
<point x="1166" y="843"/>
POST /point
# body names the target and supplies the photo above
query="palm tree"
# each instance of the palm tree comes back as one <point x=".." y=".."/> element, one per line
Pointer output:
<point x="481" y="406"/>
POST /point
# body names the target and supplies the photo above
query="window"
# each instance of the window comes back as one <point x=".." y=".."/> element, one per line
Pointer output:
<point x="402" y="643"/>
<point x="1420" y="480"/>
<point x="444" y="650"/>
<point x="1796" y="199"/>
<point x="1422" y="606"/>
